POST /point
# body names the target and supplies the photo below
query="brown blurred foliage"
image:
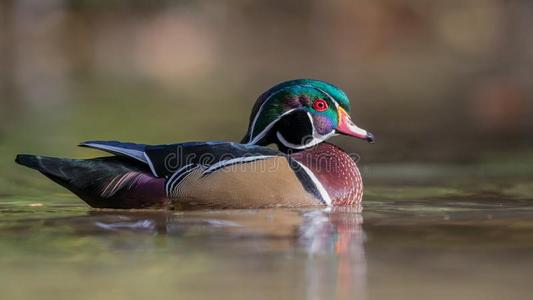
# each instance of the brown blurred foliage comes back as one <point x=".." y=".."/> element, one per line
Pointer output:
<point x="442" y="80"/>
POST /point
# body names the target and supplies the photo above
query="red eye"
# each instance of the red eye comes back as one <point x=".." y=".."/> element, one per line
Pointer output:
<point x="320" y="105"/>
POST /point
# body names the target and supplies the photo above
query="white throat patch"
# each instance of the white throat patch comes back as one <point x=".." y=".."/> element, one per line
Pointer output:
<point x="315" y="140"/>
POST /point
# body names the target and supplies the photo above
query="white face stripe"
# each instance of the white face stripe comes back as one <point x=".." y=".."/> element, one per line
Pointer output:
<point x="317" y="138"/>
<point x="290" y="145"/>
<point x="268" y="127"/>
<point x="263" y="132"/>
<point x="252" y="128"/>
<point x="323" y="193"/>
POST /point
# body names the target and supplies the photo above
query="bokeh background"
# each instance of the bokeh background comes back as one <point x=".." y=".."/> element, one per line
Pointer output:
<point x="446" y="86"/>
<point x="445" y="82"/>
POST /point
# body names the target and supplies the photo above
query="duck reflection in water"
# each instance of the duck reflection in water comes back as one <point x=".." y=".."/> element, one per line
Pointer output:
<point x="335" y="243"/>
<point x="328" y="242"/>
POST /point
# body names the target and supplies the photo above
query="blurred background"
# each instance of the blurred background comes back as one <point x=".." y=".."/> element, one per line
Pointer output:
<point x="436" y="81"/>
<point x="446" y="87"/>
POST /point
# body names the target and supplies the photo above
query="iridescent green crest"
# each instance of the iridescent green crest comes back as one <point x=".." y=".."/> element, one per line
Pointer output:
<point x="288" y="96"/>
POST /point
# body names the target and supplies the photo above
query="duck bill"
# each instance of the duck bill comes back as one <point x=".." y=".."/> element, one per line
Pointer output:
<point x="347" y="127"/>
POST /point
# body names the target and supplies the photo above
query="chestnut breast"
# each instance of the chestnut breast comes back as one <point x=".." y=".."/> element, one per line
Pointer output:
<point x="337" y="172"/>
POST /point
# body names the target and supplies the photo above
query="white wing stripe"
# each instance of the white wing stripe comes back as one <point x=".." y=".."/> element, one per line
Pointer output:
<point x="150" y="164"/>
<point x="136" y="154"/>
<point x="232" y="161"/>
<point x="173" y="177"/>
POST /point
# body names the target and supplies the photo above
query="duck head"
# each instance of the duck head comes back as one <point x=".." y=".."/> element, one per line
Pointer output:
<point x="299" y="114"/>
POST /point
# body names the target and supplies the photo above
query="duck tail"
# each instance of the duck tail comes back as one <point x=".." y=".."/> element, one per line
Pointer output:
<point x="49" y="166"/>
<point x="73" y="174"/>
<point x="61" y="170"/>
<point x="101" y="182"/>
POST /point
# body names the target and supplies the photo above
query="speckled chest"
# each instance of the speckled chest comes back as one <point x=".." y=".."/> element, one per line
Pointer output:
<point x="336" y="171"/>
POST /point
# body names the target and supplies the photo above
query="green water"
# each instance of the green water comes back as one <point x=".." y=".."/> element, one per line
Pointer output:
<point x="428" y="231"/>
<point x="437" y="232"/>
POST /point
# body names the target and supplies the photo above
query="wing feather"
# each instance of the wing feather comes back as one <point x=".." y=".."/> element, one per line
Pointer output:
<point x="132" y="150"/>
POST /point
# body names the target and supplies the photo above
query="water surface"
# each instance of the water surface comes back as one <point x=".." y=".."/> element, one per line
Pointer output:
<point x="467" y="239"/>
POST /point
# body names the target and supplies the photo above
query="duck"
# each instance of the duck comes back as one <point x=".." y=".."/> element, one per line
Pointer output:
<point x="283" y="160"/>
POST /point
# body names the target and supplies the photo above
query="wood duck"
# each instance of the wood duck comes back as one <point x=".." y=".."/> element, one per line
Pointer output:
<point x="297" y="115"/>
